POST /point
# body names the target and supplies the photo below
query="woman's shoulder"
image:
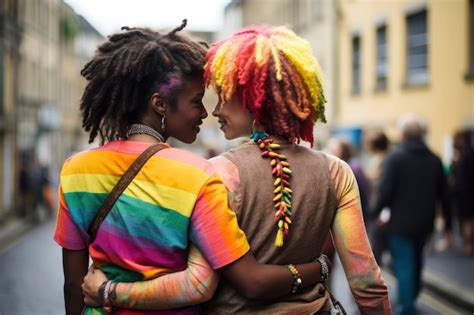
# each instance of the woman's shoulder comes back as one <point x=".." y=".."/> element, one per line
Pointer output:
<point x="114" y="147"/>
<point x="81" y="156"/>
<point x="337" y="167"/>
<point x="189" y="158"/>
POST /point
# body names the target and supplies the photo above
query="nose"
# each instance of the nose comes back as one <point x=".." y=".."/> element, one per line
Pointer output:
<point x="204" y="113"/>
<point x="217" y="110"/>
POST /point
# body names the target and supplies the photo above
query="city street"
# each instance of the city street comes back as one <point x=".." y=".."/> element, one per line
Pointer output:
<point x="38" y="290"/>
<point x="32" y="275"/>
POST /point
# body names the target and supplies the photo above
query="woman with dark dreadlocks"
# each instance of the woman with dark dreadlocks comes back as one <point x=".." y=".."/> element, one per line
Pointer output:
<point x="144" y="87"/>
<point x="287" y="198"/>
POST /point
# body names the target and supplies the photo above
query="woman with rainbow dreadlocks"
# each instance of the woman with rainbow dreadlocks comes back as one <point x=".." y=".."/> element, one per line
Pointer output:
<point x="286" y="196"/>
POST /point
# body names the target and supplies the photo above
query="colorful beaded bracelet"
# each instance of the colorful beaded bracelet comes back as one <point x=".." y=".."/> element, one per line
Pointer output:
<point x="297" y="282"/>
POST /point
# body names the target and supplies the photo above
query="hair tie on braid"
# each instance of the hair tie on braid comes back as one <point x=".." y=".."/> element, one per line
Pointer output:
<point x="179" y="28"/>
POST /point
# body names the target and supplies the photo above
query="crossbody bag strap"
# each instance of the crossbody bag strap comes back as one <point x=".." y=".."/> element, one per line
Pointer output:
<point x="121" y="185"/>
<point x="337" y="307"/>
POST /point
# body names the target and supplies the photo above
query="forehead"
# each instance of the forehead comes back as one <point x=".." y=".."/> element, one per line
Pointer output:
<point x="194" y="85"/>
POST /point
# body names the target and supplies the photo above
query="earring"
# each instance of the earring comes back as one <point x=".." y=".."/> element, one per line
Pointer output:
<point x="163" y="127"/>
<point x="253" y="127"/>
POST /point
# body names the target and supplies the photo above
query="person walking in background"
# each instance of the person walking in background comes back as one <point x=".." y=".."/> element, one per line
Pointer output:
<point x="462" y="184"/>
<point x="345" y="151"/>
<point x="411" y="184"/>
<point x="377" y="145"/>
<point x="44" y="195"/>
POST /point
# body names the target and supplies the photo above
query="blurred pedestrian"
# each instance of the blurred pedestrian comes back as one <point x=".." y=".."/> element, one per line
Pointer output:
<point x="411" y="184"/>
<point x="345" y="151"/>
<point x="377" y="145"/>
<point x="26" y="186"/>
<point x="462" y="180"/>
<point x="43" y="195"/>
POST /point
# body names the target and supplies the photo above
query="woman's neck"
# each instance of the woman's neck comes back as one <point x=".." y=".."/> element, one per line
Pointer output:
<point x="279" y="139"/>
<point x="143" y="138"/>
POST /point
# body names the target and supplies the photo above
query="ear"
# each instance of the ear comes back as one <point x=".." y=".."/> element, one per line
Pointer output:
<point x="157" y="104"/>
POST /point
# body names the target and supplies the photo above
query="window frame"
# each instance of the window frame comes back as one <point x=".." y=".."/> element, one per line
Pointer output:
<point x="470" y="70"/>
<point x="417" y="48"/>
<point x="381" y="77"/>
<point x="356" y="64"/>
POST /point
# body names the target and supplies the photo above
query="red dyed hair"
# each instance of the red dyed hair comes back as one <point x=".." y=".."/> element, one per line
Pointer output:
<point x="275" y="76"/>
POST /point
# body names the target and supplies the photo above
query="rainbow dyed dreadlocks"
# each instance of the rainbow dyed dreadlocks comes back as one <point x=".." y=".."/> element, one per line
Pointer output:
<point x="276" y="76"/>
<point x="279" y="82"/>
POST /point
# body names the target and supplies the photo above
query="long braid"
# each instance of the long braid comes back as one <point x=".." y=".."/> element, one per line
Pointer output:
<point x="126" y="69"/>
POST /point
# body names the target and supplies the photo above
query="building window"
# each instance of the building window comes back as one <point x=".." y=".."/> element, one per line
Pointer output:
<point x="356" y="85"/>
<point x="382" y="66"/>
<point x="470" y="72"/>
<point x="417" y="48"/>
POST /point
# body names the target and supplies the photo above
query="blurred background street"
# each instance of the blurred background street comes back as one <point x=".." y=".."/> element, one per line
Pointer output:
<point x="381" y="60"/>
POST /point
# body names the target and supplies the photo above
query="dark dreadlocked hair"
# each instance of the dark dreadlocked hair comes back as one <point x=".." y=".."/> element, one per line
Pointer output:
<point x="127" y="69"/>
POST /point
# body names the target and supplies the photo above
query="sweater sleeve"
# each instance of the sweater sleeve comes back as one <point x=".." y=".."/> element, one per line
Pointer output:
<point x="350" y="239"/>
<point x="196" y="284"/>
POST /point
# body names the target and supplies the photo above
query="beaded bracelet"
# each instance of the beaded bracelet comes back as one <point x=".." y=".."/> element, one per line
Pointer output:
<point x="297" y="282"/>
<point x="324" y="268"/>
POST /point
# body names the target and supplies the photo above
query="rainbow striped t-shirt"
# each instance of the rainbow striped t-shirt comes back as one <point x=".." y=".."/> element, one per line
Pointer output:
<point x="177" y="197"/>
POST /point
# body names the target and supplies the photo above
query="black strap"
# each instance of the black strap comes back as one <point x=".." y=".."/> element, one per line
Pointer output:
<point x="335" y="302"/>
<point x="121" y="185"/>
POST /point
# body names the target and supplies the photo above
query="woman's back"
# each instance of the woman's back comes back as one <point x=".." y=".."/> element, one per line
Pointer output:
<point x="314" y="204"/>
<point x="147" y="231"/>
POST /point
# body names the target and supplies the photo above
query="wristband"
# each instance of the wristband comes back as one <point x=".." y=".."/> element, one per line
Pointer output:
<point x="297" y="282"/>
<point x="324" y="268"/>
<point x="106" y="302"/>
<point x="101" y="291"/>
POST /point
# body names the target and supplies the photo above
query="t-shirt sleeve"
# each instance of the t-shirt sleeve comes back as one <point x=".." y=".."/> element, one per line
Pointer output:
<point x="214" y="227"/>
<point x="66" y="233"/>
<point x="229" y="173"/>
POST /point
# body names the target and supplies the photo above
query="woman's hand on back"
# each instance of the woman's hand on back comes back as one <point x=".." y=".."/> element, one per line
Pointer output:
<point x="90" y="287"/>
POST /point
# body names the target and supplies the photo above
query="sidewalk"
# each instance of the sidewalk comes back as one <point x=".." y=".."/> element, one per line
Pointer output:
<point x="13" y="228"/>
<point x="452" y="276"/>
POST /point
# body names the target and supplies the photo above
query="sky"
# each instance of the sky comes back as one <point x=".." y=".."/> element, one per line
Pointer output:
<point x="107" y="16"/>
